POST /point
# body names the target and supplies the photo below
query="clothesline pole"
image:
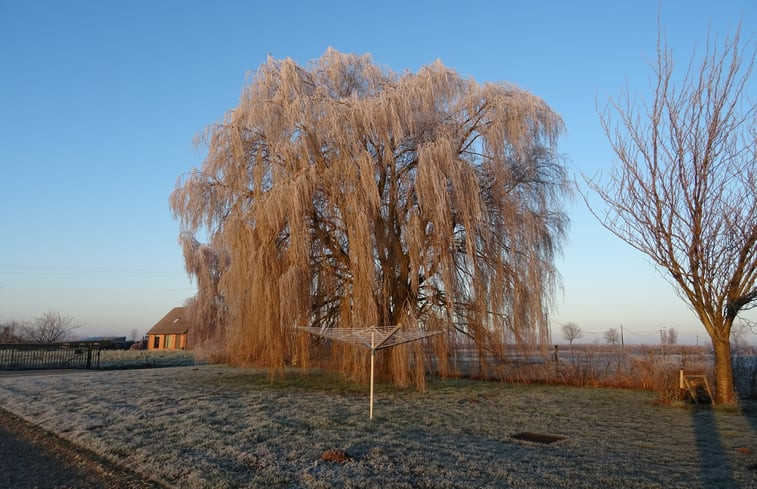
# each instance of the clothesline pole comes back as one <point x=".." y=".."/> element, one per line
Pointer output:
<point x="373" y="352"/>
<point x="388" y="336"/>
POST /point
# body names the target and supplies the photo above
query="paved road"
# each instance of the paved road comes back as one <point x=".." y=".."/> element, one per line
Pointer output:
<point x="31" y="458"/>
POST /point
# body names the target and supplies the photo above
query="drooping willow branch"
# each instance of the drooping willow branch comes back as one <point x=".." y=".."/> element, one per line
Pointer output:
<point x="346" y="195"/>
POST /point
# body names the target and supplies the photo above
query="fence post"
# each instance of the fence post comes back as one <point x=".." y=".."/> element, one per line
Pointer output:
<point x="89" y="355"/>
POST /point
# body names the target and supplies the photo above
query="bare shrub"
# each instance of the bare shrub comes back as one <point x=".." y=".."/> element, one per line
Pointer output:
<point x="10" y="331"/>
<point x="211" y="351"/>
<point x="657" y="375"/>
<point x="639" y="367"/>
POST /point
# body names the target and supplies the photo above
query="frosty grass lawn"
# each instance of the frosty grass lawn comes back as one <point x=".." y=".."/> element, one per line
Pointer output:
<point x="211" y="426"/>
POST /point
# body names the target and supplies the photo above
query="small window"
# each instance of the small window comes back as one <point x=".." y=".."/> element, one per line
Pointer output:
<point x="156" y="342"/>
<point x="176" y="320"/>
<point x="170" y="341"/>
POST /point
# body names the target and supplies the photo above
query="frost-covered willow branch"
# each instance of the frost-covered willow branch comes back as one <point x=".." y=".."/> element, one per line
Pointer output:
<point x="342" y="194"/>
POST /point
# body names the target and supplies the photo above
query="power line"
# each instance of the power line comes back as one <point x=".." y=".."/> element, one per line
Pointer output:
<point x="625" y="328"/>
<point x="69" y="271"/>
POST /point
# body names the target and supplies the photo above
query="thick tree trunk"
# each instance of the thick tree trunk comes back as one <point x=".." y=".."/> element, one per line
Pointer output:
<point x="725" y="393"/>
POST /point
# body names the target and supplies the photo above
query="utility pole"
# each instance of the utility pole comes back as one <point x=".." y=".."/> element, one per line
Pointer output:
<point x="622" y="343"/>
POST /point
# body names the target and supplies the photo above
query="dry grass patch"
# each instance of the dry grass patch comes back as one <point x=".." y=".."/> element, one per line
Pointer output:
<point x="215" y="427"/>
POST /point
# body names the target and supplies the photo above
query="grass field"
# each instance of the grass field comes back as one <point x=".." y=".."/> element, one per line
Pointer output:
<point x="124" y="359"/>
<point x="221" y="427"/>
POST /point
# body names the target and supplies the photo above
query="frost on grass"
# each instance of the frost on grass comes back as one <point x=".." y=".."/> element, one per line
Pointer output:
<point x="215" y="426"/>
<point x="123" y="359"/>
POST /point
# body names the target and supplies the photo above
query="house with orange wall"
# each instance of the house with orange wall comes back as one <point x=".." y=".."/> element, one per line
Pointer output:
<point x="170" y="333"/>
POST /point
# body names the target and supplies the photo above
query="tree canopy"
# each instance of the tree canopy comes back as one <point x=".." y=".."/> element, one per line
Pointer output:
<point x="342" y="194"/>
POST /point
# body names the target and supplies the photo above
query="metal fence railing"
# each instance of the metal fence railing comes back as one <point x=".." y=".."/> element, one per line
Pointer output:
<point x="28" y="356"/>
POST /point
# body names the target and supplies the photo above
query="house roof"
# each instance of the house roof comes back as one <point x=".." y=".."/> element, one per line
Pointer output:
<point x="174" y="322"/>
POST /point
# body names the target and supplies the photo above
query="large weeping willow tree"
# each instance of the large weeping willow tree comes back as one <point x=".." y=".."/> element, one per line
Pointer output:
<point x="345" y="195"/>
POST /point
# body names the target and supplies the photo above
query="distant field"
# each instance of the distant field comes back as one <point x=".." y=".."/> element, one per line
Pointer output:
<point x="221" y="427"/>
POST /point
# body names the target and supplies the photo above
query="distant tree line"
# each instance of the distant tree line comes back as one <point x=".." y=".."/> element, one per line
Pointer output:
<point x="571" y="332"/>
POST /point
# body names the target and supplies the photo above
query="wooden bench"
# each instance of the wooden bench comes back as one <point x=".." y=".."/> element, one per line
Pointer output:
<point x="696" y="385"/>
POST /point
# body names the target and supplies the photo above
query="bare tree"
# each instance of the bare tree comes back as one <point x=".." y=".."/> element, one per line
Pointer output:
<point x="672" y="337"/>
<point x="10" y="331"/>
<point x="572" y="332"/>
<point x="683" y="192"/>
<point x="49" y="328"/>
<point x="345" y="195"/>
<point x="612" y="336"/>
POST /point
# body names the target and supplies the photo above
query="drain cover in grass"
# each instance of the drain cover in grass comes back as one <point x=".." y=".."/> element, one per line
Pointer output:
<point x="538" y="437"/>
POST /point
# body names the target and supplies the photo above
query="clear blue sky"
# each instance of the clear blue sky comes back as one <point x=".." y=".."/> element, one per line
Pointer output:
<point x="100" y="102"/>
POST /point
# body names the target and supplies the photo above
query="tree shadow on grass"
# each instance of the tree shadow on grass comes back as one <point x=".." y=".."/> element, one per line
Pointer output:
<point x="749" y="411"/>
<point x="714" y="466"/>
